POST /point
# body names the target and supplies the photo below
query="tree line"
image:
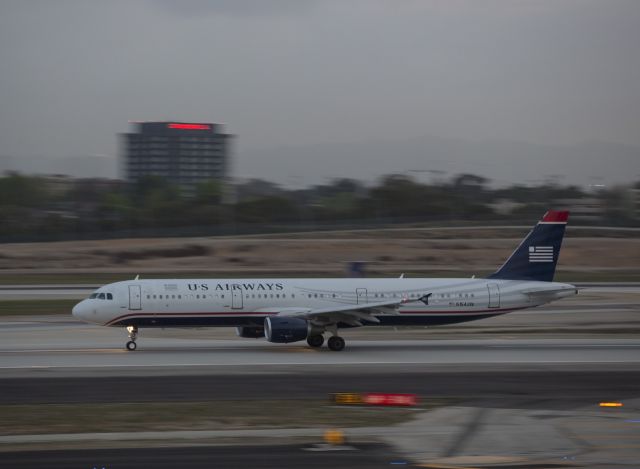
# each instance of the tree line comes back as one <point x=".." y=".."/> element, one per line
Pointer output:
<point x="34" y="208"/>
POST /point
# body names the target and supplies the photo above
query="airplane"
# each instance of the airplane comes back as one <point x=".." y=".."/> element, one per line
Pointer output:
<point x="285" y="310"/>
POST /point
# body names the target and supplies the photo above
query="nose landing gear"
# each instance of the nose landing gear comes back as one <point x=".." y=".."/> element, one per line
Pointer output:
<point x="133" y="335"/>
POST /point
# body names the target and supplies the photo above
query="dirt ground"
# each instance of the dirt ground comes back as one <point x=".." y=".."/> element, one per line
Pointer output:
<point x="384" y="251"/>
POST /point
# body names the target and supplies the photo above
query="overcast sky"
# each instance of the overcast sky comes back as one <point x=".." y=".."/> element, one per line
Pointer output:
<point x="282" y="73"/>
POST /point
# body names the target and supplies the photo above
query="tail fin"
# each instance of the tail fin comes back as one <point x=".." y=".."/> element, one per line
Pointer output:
<point x="537" y="255"/>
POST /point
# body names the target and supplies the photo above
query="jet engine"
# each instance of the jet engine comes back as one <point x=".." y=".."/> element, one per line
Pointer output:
<point x="250" y="332"/>
<point x="284" y="330"/>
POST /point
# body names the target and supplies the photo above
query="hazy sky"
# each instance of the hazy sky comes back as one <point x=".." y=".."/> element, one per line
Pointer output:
<point x="305" y="72"/>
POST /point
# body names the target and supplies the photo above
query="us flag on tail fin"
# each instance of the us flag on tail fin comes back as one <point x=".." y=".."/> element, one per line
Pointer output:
<point x="540" y="253"/>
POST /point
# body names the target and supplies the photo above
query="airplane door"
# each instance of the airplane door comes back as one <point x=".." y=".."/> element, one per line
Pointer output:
<point x="236" y="298"/>
<point x="361" y="295"/>
<point x="494" y="295"/>
<point x="135" y="297"/>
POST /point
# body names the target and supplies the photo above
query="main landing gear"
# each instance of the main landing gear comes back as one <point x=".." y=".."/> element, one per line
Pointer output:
<point x="315" y="340"/>
<point x="335" y="342"/>
<point x="133" y="335"/>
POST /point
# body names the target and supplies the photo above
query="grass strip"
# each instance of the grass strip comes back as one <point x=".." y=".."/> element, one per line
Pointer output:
<point x="214" y="415"/>
<point x="374" y="272"/>
<point x="27" y="307"/>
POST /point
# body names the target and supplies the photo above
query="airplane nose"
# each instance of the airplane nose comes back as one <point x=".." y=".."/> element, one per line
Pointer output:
<point x="77" y="311"/>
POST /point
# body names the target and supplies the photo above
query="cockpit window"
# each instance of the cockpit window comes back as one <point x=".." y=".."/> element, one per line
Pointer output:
<point x="109" y="296"/>
<point x="101" y="296"/>
<point x="93" y="295"/>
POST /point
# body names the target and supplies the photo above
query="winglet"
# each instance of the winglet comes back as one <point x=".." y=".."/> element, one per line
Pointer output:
<point x="137" y="277"/>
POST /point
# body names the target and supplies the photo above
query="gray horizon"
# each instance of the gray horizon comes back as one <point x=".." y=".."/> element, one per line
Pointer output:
<point x="313" y="90"/>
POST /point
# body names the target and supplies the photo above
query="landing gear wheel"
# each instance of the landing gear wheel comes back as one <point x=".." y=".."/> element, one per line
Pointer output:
<point x="133" y="335"/>
<point x="335" y="343"/>
<point x="315" y="340"/>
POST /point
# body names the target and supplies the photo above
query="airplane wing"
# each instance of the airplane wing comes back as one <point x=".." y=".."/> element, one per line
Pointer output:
<point x="349" y="314"/>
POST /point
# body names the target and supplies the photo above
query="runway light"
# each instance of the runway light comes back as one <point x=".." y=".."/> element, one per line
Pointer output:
<point x="334" y="437"/>
<point x="347" y="398"/>
<point x="375" y="398"/>
<point x="387" y="399"/>
<point x="611" y="404"/>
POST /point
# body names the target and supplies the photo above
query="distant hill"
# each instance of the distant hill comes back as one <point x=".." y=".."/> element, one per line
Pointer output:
<point x="503" y="162"/>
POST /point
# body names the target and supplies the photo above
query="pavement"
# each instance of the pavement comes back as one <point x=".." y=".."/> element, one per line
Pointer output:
<point x="369" y="456"/>
<point x="446" y="437"/>
<point x="524" y="390"/>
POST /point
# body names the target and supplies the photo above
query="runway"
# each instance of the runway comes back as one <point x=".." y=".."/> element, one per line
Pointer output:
<point x="223" y="354"/>
<point x="597" y="327"/>
<point x="60" y="345"/>
<point x="530" y="375"/>
<point x="359" y="456"/>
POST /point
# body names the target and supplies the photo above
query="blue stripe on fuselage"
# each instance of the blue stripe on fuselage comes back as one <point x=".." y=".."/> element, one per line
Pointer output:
<point x="221" y="321"/>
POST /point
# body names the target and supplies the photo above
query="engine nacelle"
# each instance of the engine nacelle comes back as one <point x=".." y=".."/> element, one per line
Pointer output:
<point x="250" y="332"/>
<point x="284" y="330"/>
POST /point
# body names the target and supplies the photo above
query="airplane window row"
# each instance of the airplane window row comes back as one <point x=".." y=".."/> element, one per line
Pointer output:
<point x="270" y="295"/>
<point x="460" y="295"/>
<point x="177" y="297"/>
<point x="321" y="295"/>
<point x="166" y="297"/>
<point x="204" y="297"/>
<point x="101" y="296"/>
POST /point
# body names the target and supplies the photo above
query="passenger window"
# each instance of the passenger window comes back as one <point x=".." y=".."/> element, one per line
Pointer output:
<point x="109" y="296"/>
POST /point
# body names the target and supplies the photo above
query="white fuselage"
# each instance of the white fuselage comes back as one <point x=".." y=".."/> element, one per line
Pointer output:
<point x="247" y="302"/>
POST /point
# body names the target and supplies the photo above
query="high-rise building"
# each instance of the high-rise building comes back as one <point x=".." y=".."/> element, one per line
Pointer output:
<point x="185" y="154"/>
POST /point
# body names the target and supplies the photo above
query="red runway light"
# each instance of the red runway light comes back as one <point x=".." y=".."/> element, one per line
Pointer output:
<point x="387" y="399"/>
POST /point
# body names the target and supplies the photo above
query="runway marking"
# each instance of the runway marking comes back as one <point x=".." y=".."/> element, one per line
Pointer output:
<point x="566" y="346"/>
<point x="324" y="364"/>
